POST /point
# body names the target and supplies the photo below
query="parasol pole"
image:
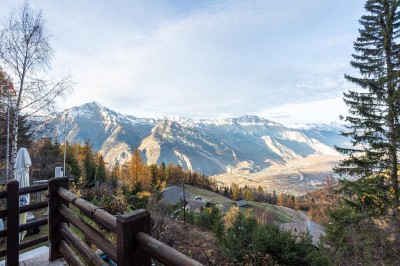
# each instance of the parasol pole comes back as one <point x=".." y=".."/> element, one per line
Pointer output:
<point x="65" y="144"/>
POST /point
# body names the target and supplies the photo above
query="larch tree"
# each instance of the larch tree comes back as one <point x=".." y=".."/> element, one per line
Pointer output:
<point x="26" y="54"/>
<point x="374" y="110"/>
<point x="236" y="195"/>
<point x="138" y="172"/>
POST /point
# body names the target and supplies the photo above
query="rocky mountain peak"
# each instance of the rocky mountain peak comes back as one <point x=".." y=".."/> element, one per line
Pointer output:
<point x="211" y="146"/>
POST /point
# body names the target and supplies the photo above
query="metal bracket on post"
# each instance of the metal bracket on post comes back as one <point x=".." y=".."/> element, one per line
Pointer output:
<point x="54" y="216"/>
<point x="127" y="226"/>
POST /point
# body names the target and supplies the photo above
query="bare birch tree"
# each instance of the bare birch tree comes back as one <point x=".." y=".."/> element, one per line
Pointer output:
<point x="26" y="54"/>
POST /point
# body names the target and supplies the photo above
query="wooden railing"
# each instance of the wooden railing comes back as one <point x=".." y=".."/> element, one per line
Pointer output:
<point x="134" y="245"/>
<point x="13" y="228"/>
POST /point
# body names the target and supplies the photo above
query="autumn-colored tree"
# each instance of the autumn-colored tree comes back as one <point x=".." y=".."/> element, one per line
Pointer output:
<point x="175" y="174"/>
<point x="139" y="174"/>
<point x="281" y="200"/>
<point x="296" y="205"/>
<point x="248" y="195"/>
<point x="235" y="191"/>
<point x="260" y="189"/>
<point x="230" y="215"/>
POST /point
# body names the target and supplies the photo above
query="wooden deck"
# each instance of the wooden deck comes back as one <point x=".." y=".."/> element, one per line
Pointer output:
<point x="37" y="257"/>
<point x="42" y="260"/>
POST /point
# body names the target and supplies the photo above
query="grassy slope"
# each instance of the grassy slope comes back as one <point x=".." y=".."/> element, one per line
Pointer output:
<point x="280" y="214"/>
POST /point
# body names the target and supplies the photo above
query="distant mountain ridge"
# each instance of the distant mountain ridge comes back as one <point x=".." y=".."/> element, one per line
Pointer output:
<point x="211" y="146"/>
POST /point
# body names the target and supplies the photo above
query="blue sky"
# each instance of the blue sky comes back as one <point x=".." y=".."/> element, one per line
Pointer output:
<point x="284" y="60"/>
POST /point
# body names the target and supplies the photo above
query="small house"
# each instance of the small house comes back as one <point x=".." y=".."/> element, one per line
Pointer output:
<point x="297" y="228"/>
<point x="194" y="205"/>
<point x="174" y="195"/>
<point x="242" y="204"/>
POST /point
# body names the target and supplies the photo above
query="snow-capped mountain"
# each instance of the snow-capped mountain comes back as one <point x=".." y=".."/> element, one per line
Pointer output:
<point x="326" y="133"/>
<point x="209" y="146"/>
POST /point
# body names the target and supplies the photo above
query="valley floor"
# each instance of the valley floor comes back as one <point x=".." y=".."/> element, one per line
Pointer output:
<point x="294" y="177"/>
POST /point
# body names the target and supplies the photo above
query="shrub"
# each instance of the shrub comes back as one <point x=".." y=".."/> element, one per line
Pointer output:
<point x="267" y="244"/>
<point x="283" y="246"/>
<point x="238" y="238"/>
<point x="354" y="239"/>
<point x="107" y="199"/>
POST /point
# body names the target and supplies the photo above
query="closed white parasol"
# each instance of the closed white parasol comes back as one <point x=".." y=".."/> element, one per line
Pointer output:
<point x="21" y="174"/>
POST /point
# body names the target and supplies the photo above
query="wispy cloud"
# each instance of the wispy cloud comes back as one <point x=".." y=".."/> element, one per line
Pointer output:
<point x="204" y="60"/>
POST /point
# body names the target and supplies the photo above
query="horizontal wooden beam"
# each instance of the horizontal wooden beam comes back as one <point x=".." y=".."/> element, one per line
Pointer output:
<point x="33" y="206"/>
<point x="88" y="255"/>
<point x="98" y="215"/>
<point x="32" y="189"/>
<point x="91" y="233"/>
<point x="70" y="257"/>
<point x="29" y="225"/>
<point x="161" y="252"/>
<point x="33" y="242"/>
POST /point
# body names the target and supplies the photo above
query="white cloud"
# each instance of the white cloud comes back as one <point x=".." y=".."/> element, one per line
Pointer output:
<point x="203" y="60"/>
<point x="302" y="113"/>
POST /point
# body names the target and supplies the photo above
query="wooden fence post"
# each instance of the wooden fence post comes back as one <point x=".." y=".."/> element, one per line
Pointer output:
<point x="12" y="243"/>
<point x="54" y="216"/>
<point x="128" y="225"/>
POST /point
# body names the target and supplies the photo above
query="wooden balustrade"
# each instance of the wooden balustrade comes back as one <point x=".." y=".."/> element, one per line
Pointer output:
<point x="13" y="228"/>
<point x="134" y="245"/>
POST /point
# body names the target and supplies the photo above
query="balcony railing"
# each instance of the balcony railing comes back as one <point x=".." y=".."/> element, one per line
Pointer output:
<point x="13" y="228"/>
<point x="133" y="245"/>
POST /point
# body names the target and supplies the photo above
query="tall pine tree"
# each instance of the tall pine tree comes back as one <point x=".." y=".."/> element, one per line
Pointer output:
<point x="374" y="108"/>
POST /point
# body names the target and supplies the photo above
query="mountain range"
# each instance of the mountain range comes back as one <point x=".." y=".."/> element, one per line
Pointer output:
<point x="210" y="146"/>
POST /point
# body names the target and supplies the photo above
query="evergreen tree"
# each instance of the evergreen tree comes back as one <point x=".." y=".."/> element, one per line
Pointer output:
<point x="374" y="109"/>
<point x="46" y="155"/>
<point x="238" y="239"/>
<point x="114" y="175"/>
<point x="89" y="164"/>
<point x="162" y="172"/>
<point x="73" y="169"/>
<point x="156" y="184"/>
<point x="274" y="199"/>
<point x="226" y="192"/>
<point x="101" y="173"/>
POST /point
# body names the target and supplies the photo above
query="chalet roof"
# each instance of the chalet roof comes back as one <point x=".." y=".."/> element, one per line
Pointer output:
<point x="174" y="194"/>
<point x="196" y="205"/>
<point x="241" y="203"/>
<point x="316" y="230"/>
